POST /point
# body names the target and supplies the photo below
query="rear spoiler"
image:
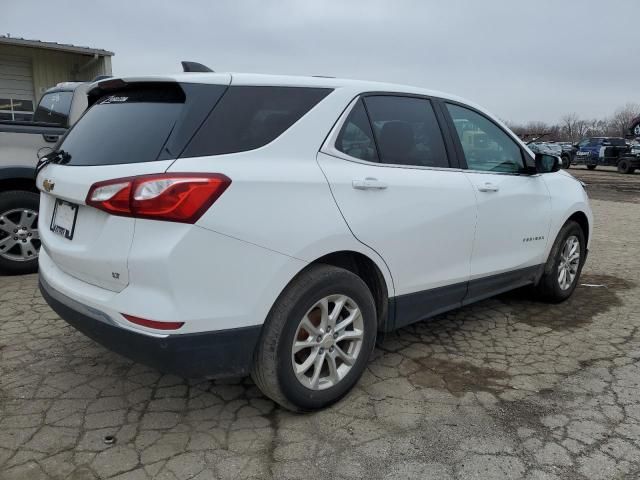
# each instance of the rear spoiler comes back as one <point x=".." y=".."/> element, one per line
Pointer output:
<point x="107" y="85"/>
<point x="111" y="85"/>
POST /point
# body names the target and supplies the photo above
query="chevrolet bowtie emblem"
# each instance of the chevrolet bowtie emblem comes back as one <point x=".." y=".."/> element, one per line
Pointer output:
<point x="48" y="185"/>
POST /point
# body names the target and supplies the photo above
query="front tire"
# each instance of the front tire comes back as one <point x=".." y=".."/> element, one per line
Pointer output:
<point x="566" y="162"/>
<point x="591" y="167"/>
<point x="563" y="268"/>
<point x="317" y="339"/>
<point x="19" y="239"/>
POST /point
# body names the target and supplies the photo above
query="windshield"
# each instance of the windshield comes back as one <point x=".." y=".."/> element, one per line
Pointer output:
<point x="54" y="108"/>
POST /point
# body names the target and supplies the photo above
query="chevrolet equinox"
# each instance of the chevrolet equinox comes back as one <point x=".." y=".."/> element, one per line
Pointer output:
<point x="213" y="224"/>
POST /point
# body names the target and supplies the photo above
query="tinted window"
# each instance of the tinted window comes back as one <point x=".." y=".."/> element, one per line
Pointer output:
<point x="127" y="127"/>
<point x="406" y="131"/>
<point x="486" y="146"/>
<point x="250" y="117"/>
<point x="54" y="108"/>
<point x="356" y="137"/>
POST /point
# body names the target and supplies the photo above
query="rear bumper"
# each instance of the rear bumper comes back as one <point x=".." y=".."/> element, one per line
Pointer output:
<point x="222" y="353"/>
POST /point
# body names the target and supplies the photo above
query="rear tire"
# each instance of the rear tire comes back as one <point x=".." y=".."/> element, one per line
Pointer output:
<point x="19" y="240"/>
<point x="280" y="358"/>
<point x="624" y="166"/>
<point x="566" y="162"/>
<point x="555" y="287"/>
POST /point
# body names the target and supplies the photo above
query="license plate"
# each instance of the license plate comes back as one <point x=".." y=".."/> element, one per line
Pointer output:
<point x="63" y="221"/>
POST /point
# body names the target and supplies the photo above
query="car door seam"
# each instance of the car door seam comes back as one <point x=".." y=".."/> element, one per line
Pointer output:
<point x="335" y="201"/>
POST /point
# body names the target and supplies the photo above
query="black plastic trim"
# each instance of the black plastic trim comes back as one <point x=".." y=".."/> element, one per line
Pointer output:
<point x="482" y="288"/>
<point x="221" y="353"/>
<point x="413" y="307"/>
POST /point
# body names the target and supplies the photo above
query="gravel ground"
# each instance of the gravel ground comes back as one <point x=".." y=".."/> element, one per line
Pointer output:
<point x="507" y="388"/>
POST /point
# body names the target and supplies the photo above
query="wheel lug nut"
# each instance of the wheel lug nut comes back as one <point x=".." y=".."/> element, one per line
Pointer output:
<point x="319" y="338"/>
<point x="331" y="350"/>
<point x="335" y="335"/>
<point x="321" y="350"/>
<point x="15" y="238"/>
<point x="328" y="329"/>
<point x="15" y="230"/>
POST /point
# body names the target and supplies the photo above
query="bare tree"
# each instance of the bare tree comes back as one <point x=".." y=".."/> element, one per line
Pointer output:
<point x="570" y="126"/>
<point x="621" y="120"/>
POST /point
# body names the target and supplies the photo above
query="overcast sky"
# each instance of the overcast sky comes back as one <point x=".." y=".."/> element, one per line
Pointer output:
<point x="523" y="60"/>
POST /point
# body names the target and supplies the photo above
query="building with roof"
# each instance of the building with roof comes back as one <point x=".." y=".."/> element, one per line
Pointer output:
<point x="29" y="67"/>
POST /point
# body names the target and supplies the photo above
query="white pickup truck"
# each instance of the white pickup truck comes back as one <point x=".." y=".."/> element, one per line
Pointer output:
<point x="21" y="144"/>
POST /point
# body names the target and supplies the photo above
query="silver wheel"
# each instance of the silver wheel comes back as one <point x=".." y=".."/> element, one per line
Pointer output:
<point x="327" y="342"/>
<point x="569" y="262"/>
<point x="19" y="239"/>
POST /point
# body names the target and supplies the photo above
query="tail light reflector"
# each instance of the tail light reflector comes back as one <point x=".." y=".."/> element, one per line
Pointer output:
<point x="153" y="323"/>
<point x="173" y="197"/>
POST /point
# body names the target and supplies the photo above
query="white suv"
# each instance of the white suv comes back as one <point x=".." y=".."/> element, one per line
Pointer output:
<point x="217" y="224"/>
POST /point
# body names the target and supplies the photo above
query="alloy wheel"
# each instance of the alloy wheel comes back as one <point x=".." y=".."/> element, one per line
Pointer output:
<point x="327" y="342"/>
<point x="569" y="262"/>
<point x="19" y="238"/>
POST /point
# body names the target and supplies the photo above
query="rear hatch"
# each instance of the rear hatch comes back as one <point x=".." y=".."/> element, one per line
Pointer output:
<point x="132" y="128"/>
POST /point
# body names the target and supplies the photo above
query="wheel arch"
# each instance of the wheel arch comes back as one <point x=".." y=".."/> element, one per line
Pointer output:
<point x="581" y="219"/>
<point x="17" y="178"/>
<point x="366" y="268"/>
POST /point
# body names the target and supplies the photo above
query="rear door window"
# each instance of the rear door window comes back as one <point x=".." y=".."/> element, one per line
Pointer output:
<point x="356" y="137"/>
<point x="54" y="108"/>
<point x="407" y="131"/>
<point x="249" y="117"/>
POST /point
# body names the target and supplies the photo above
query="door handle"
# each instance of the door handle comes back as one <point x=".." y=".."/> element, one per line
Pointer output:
<point x="488" y="187"/>
<point x="369" y="183"/>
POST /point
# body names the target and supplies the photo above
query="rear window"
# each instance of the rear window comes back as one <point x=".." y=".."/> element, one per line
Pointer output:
<point x="249" y="117"/>
<point x="124" y="127"/>
<point x="54" y="108"/>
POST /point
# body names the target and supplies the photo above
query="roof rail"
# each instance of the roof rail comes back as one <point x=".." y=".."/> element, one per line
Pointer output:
<point x="194" y="67"/>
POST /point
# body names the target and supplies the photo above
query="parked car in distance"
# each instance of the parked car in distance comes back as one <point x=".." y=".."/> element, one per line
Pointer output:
<point x="212" y="224"/>
<point x="605" y="151"/>
<point x="20" y="142"/>
<point x="568" y="152"/>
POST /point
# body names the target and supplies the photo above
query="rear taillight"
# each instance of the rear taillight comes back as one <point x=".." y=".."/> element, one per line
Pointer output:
<point x="174" y="197"/>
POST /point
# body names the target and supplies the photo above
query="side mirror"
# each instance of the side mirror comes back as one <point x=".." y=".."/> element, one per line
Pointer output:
<point x="547" y="163"/>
